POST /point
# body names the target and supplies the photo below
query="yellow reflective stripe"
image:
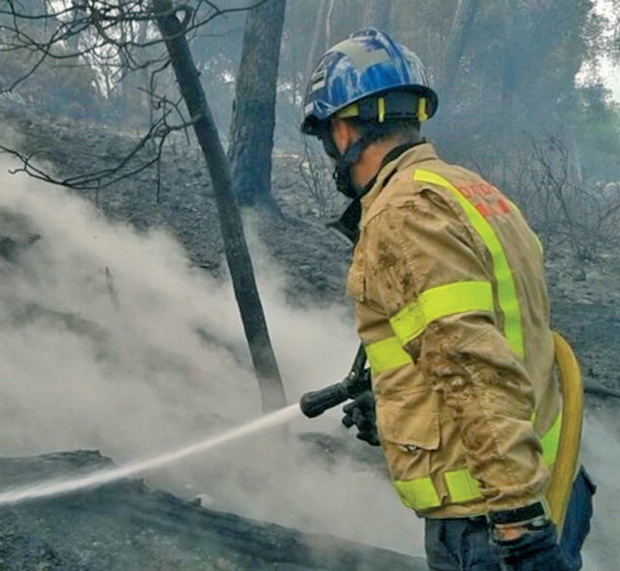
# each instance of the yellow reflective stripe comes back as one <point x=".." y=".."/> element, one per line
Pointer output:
<point x="386" y="354"/>
<point x="439" y="302"/>
<point x="418" y="494"/>
<point x="352" y="110"/>
<point x="551" y="440"/>
<point x="422" y="114"/>
<point x="381" y="110"/>
<point x="506" y="290"/>
<point x="462" y="486"/>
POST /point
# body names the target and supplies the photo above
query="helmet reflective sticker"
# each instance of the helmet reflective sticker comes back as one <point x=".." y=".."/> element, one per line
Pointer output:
<point x="362" y="55"/>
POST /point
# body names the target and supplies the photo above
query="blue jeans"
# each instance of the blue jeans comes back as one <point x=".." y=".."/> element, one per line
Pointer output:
<point x="464" y="544"/>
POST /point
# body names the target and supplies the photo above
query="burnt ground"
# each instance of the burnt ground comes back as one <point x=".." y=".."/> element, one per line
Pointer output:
<point x="130" y="526"/>
<point x="161" y="531"/>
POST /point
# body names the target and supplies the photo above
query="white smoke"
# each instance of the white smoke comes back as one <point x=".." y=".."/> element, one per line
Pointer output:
<point x="110" y="340"/>
<point x="601" y="456"/>
<point x="100" y="348"/>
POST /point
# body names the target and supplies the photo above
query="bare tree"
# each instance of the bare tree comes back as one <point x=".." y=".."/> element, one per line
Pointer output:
<point x="457" y="40"/>
<point x="114" y="41"/>
<point x="565" y="208"/>
<point x="253" y="123"/>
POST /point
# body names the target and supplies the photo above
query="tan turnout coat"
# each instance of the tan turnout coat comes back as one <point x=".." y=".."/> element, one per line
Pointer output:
<point x="452" y="307"/>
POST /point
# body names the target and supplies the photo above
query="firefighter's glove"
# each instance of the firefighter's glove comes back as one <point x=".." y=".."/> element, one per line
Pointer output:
<point x="361" y="413"/>
<point x="529" y="546"/>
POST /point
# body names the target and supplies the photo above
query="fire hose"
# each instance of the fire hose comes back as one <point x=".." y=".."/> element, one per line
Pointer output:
<point x="567" y="458"/>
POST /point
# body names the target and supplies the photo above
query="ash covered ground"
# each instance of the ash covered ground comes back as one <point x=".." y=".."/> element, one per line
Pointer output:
<point x="133" y="525"/>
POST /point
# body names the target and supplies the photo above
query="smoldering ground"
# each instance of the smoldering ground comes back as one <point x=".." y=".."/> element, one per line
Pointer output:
<point x="111" y="340"/>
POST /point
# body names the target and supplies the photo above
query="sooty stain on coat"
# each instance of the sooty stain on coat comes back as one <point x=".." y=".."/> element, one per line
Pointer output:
<point x="386" y="258"/>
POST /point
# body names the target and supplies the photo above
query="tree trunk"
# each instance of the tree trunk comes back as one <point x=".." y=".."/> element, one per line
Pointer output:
<point x="508" y="84"/>
<point x="377" y="14"/>
<point x="319" y="39"/>
<point x="235" y="246"/>
<point x="253" y="121"/>
<point x="457" y="41"/>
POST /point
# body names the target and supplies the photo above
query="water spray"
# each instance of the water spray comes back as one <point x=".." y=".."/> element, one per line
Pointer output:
<point x="312" y="404"/>
<point x="48" y="488"/>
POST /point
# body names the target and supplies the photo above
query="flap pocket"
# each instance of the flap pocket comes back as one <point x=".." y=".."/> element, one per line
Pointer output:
<point x="409" y="422"/>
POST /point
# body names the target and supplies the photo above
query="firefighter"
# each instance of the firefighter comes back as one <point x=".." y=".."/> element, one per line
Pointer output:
<point x="452" y="308"/>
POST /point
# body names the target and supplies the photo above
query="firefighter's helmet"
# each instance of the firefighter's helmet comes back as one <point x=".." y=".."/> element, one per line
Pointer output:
<point x="370" y="77"/>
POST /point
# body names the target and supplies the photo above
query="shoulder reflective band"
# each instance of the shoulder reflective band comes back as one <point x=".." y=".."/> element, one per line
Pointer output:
<point x="438" y="302"/>
<point x="386" y="354"/>
<point x="420" y="494"/>
<point x="506" y="290"/>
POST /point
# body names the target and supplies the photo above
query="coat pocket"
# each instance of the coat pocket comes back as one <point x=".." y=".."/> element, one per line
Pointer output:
<point x="410" y="422"/>
<point x="409" y="431"/>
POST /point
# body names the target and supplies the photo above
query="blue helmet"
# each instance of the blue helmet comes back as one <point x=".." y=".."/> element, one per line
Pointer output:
<point x="369" y="64"/>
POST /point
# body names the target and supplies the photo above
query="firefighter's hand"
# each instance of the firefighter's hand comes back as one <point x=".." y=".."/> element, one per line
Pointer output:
<point x="361" y="413"/>
<point x="529" y="548"/>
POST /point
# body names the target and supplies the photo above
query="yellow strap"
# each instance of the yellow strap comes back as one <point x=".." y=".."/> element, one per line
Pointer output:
<point x="418" y="494"/>
<point x="506" y="290"/>
<point x="422" y="113"/>
<point x="462" y="486"/>
<point x="550" y="441"/>
<point x="386" y="354"/>
<point x="438" y="302"/>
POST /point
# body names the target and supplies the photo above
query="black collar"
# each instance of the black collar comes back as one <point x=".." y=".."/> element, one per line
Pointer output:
<point x="348" y="223"/>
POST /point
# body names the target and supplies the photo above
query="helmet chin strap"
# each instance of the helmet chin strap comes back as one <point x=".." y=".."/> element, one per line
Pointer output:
<point x="343" y="171"/>
<point x="344" y="164"/>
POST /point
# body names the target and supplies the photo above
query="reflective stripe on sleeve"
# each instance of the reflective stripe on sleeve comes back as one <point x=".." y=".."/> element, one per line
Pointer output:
<point x="462" y="486"/>
<point x="438" y="302"/>
<point x="418" y="494"/>
<point x="386" y="354"/>
<point x="506" y="290"/>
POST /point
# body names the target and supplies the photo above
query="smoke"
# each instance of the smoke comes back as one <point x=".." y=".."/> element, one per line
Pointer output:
<point x="99" y="334"/>
<point x="601" y="459"/>
<point x="110" y="340"/>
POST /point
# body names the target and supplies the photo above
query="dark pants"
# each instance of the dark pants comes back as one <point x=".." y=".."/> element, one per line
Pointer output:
<point x="464" y="544"/>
